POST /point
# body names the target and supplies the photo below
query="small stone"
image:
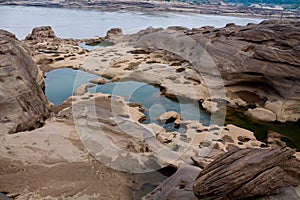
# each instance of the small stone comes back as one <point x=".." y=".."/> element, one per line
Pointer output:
<point x="99" y="81"/>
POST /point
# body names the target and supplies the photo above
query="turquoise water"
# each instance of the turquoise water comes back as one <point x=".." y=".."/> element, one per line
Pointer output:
<point x="60" y="84"/>
<point x="154" y="103"/>
<point x="96" y="46"/>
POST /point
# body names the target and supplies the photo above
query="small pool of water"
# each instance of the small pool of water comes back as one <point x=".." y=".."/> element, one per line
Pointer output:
<point x="96" y="45"/>
<point x="61" y="83"/>
<point x="153" y="102"/>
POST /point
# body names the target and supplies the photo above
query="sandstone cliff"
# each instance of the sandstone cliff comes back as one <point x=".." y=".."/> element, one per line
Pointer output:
<point x="23" y="105"/>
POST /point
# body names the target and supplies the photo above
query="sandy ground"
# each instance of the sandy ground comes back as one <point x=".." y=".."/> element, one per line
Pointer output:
<point x="51" y="162"/>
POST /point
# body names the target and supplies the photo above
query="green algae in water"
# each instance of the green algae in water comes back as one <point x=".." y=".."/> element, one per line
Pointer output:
<point x="60" y="84"/>
<point x="289" y="130"/>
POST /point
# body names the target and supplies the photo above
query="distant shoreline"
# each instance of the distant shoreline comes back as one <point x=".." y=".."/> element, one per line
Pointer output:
<point x="154" y="6"/>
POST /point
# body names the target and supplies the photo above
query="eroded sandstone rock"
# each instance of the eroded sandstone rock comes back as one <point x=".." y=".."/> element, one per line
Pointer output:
<point x="261" y="114"/>
<point x="247" y="173"/>
<point x="23" y="104"/>
<point x="43" y="32"/>
<point x="258" y="63"/>
<point x="114" y="34"/>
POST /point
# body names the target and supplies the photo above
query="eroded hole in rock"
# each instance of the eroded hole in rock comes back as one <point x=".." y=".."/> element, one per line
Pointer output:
<point x="243" y="139"/>
<point x="180" y="69"/>
<point x="181" y="186"/>
<point x="205" y="144"/>
<point x="59" y="58"/>
<point x="139" y="51"/>
<point x="227" y="138"/>
<point x="19" y="78"/>
<point x="251" y="98"/>
<point x="151" y="62"/>
<point x="170" y="120"/>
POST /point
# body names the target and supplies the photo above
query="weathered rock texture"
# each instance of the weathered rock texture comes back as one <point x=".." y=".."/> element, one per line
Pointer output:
<point x="177" y="187"/>
<point x="40" y="33"/>
<point x="49" y="49"/>
<point x="259" y="63"/>
<point x="248" y="173"/>
<point x="23" y="105"/>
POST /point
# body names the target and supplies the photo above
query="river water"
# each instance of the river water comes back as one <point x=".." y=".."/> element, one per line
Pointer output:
<point x="71" y="23"/>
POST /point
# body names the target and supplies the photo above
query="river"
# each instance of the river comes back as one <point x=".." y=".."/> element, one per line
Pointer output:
<point x="72" y="23"/>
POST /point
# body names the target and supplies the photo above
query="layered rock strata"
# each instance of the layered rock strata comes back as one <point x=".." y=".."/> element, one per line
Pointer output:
<point x="23" y="104"/>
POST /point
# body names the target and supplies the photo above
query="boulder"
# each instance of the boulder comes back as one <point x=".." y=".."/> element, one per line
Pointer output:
<point x="170" y="116"/>
<point x="248" y="173"/>
<point x="114" y="34"/>
<point x="41" y="33"/>
<point x="98" y="81"/>
<point x="261" y="114"/>
<point x="210" y="106"/>
<point x="23" y="104"/>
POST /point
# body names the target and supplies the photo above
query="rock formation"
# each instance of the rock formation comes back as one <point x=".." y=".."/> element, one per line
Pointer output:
<point x="23" y="104"/>
<point x="264" y="84"/>
<point x="114" y="34"/>
<point x="259" y="64"/>
<point x="41" y="33"/>
<point x="248" y="173"/>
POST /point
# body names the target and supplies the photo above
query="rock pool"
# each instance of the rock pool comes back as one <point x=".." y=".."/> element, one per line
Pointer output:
<point x="61" y="83"/>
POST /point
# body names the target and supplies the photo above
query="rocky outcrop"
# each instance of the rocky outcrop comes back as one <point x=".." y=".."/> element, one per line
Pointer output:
<point x="248" y="173"/>
<point x="114" y="34"/>
<point x="258" y="63"/>
<point x="52" y="52"/>
<point x="23" y="104"/>
<point x="98" y="81"/>
<point x="41" y="33"/>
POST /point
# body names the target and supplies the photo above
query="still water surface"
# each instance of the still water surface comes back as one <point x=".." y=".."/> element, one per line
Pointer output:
<point x="61" y="83"/>
<point x="71" y="23"/>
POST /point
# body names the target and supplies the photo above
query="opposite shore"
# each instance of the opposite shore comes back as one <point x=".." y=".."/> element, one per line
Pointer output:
<point x="158" y="6"/>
